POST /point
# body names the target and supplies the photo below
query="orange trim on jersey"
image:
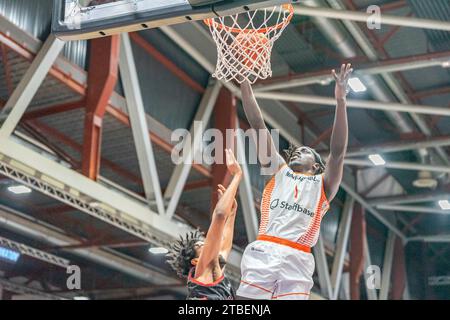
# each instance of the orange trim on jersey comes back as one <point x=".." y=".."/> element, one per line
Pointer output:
<point x="324" y="196"/>
<point x="190" y="278"/>
<point x="284" y="242"/>
<point x="265" y="205"/>
<point x="314" y="228"/>
<point x="254" y="285"/>
<point x="292" y="294"/>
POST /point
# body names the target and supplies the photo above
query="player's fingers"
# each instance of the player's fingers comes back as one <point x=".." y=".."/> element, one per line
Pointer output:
<point x="347" y="67"/>
<point x="333" y="72"/>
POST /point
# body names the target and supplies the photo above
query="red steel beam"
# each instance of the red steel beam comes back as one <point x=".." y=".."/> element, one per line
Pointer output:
<point x="357" y="236"/>
<point x="225" y="117"/>
<point x="7" y="69"/>
<point x="102" y="78"/>
<point x="323" y="136"/>
<point x="431" y="92"/>
<point x="398" y="270"/>
<point x="172" y="67"/>
<point x="44" y="111"/>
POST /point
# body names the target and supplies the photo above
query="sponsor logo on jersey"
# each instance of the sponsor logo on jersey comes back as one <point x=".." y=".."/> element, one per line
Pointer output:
<point x="257" y="250"/>
<point x="276" y="203"/>
<point x="301" y="178"/>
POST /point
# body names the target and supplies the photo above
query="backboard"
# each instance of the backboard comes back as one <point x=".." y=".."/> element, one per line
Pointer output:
<point x="87" y="19"/>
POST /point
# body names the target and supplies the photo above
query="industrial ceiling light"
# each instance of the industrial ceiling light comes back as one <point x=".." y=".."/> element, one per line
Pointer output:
<point x="19" y="189"/>
<point x="326" y="81"/>
<point x="356" y="85"/>
<point x="95" y="204"/>
<point x="9" y="255"/>
<point x="377" y="159"/>
<point x="158" y="250"/>
<point x="425" y="179"/>
<point x="444" y="204"/>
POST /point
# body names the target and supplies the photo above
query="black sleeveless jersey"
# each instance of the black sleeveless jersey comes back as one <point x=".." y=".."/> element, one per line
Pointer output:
<point x="221" y="289"/>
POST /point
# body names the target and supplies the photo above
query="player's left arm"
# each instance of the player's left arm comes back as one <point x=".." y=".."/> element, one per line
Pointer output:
<point x="339" y="138"/>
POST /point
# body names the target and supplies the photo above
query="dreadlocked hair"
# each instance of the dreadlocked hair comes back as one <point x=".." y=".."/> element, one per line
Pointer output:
<point x="182" y="252"/>
<point x="288" y="153"/>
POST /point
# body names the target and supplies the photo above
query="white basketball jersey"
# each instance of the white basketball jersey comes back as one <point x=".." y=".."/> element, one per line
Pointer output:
<point x="292" y="207"/>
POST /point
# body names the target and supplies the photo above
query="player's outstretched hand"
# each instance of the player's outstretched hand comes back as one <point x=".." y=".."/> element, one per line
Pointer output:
<point x="342" y="80"/>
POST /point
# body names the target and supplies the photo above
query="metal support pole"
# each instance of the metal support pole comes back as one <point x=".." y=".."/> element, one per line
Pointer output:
<point x="399" y="165"/>
<point x="139" y="127"/>
<point x="387" y="266"/>
<point x="354" y="103"/>
<point x="245" y="190"/>
<point x="28" y="86"/>
<point x="341" y="245"/>
<point x="371" y="292"/>
<point x="418" y="209"/>
<point x="358" y="231"/>
<point x="364" y="17"/>
<point x="322" y="269"/>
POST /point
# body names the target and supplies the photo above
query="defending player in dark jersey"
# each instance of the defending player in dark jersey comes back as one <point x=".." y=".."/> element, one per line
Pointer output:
<point x="203" y="262"/>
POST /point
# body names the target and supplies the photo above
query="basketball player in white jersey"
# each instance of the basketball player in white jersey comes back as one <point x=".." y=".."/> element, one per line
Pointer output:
<point x="279" y="264"/>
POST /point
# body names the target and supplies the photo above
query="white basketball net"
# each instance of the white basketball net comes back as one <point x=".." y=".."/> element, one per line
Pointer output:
<point x="245" y="42"/>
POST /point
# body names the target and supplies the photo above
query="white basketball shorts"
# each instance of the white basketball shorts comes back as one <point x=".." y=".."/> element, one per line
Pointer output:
<point x="275" y="271"/>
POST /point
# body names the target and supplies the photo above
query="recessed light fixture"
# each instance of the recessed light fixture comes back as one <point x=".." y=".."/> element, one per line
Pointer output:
<point x="444" y="204"/>
<point x="95" y="204"/>
<point x="9" y="255"/>
<point x="19" y="189"/>
<point x="325" y="81"/>
<point x="356" y="85"/>
<point x="158" y="250"/>
<point x="377" y="159"/>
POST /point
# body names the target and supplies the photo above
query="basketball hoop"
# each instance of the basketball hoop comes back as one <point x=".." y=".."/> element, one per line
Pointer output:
<point x="245" y="41"/>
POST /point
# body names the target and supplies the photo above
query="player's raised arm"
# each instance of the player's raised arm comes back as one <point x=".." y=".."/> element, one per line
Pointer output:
<point x="222" y="211"/>
<point x="339" y="137"/>
<point x="228" y="232"/>
<point x="268" y="156"/>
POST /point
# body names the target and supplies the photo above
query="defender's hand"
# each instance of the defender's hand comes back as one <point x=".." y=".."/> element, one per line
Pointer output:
<point x="233" y="166"/>
<point x="342" y="81"/>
